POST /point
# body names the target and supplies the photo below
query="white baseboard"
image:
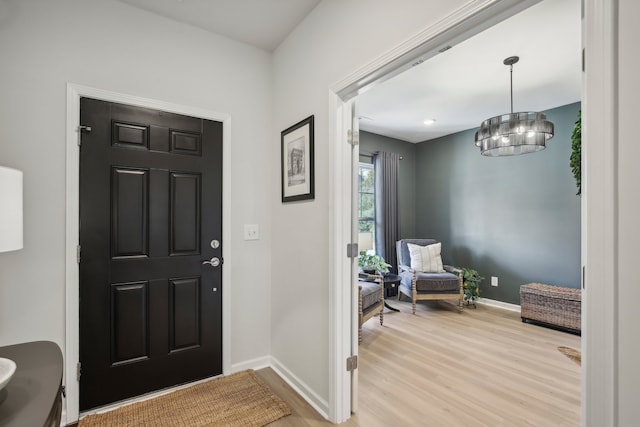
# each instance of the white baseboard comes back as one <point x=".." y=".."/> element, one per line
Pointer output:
<point x="499" y="304"/>
<point x="319" y="404"/>
<point x="255" y="364"/>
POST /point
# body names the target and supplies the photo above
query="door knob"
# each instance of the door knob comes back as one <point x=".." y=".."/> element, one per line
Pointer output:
<point x="213" y="262"/>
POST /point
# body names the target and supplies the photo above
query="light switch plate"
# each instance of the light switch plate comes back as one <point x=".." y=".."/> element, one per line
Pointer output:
<point x="494" y="281"/>
<point x="251" y="232"/>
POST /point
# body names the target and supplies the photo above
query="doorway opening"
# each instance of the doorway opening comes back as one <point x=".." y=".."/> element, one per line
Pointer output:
<point x="461" y="27"/>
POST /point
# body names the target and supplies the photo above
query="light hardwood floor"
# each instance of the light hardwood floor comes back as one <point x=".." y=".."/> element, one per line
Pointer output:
<point x="481" y="367"/>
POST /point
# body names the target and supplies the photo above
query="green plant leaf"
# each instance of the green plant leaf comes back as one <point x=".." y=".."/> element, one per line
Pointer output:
<point x="372" y="262"/>
<point x="575" y="160"/>
<point x="471" y="283"/>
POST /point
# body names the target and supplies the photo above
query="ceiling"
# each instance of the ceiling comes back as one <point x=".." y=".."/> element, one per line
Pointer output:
<point x="459" y="88"/>
<point x="469" y="83"/>
<point x="261" y="23"/>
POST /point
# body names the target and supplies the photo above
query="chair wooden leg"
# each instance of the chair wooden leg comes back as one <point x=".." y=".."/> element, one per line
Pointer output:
<point x="360" y="316"/>
<point x="414" y="293"/>
<point x="381" y="315"/>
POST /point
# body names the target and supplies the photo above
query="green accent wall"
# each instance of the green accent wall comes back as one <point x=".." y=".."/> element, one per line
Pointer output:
<point x="516" y="218"/>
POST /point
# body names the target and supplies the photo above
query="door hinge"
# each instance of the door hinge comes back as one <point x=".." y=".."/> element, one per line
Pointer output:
<point x="81" y="129"/>
<point x="353" y="138"/>
<point x="352" y="250"/>
<point x="352" y="363"/>
<point x="583" y="60"/>
<point x="78" y="371"/>
<point x="63" y="389"/>
<point x="78" y="251"/>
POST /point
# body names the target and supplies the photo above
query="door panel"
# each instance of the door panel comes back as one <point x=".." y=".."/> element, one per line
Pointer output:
<point x="130" y="212"/>
<point x="185" y="213"/>
<point x="185" y="143"/>
<point x="185" y="313"/>
<point x="130" y="322"/>
<point x="129" y="135"/>
<point x="150" y="195"/>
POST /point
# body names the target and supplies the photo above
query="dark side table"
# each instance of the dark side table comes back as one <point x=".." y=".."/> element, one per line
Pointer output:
<point x="33" y="395"/>
<point x="391" y="282"/>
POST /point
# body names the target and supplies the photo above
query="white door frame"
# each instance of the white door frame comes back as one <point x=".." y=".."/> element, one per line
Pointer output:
<point x="598" y="385"/>
<point x="599" y="213"/>
<point x="72" y="236"/>
<point x="340" y="302"/>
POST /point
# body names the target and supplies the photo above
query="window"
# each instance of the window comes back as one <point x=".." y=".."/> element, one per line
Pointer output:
<point x="366" y="208"/>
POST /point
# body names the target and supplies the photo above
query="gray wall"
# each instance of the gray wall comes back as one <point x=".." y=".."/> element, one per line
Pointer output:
<point x="517" y="218"/>
<point x="370" y="143"/>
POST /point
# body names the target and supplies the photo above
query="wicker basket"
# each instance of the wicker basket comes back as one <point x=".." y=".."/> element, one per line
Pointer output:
<point x="551" y="305"/>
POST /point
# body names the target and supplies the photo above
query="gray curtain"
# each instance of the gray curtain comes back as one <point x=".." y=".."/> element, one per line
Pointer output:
<point x="386" y="170"/>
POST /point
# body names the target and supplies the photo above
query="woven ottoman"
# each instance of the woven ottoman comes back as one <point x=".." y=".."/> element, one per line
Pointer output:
<point x="553" y="306"/>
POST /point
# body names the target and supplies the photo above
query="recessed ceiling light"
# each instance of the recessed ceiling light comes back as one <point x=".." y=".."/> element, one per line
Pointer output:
<point x="429" y="122"/>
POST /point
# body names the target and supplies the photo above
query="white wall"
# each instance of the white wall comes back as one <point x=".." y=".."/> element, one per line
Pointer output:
<point x="628" y="351"/>
<point x="105" y="44"/>
<point x="44" y="44"/>
<point x="336" y="39"/>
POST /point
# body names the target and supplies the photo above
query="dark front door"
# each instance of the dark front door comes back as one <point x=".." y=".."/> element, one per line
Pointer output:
<point x="150" y="214"/>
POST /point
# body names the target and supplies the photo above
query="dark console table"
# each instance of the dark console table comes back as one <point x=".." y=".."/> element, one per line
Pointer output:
<point x="33" y="396"/>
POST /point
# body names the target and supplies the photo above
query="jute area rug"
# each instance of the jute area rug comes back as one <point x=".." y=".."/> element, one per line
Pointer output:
<point x="241" y="399"/>
<point x="572" y="354"/>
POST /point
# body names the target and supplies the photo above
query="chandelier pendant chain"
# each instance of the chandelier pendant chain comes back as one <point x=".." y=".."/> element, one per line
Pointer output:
<point x="510" y="61"/>
<point x="511" y="81"/>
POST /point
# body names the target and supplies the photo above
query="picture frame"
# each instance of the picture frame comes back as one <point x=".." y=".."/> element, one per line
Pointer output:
<point x="297" y="161"/>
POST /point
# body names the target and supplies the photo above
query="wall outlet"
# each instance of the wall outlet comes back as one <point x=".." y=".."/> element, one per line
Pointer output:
<point x="494" y="281"/>
<point x="251" y="232"/>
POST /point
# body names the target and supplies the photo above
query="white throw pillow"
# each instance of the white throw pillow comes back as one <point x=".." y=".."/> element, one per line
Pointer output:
<point x="426" y="259"/>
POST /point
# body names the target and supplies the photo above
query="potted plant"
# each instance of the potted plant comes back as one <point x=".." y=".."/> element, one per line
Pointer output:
<point x="372" y="263"/>
<point x="471" y="283"/>
<point x="575" y="161"/>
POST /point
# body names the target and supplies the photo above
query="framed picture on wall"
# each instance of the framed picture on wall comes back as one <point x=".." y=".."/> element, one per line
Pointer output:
<point x="297" y="161"/>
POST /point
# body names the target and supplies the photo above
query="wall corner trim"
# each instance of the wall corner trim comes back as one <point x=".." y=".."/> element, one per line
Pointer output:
<point x="255" y="364"/>
<point x="306" y="392"/>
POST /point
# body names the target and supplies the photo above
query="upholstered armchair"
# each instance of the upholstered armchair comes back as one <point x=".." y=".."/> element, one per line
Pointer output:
<point x="370" y="299"/>
<point x="422" y="274"/>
